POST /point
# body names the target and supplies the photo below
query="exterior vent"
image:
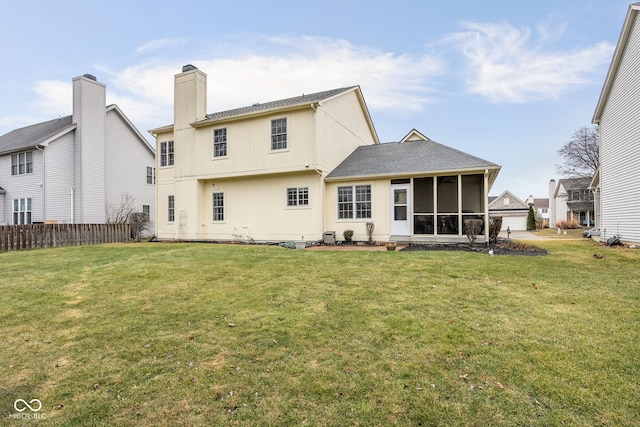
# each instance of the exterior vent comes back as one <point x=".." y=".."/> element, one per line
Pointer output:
<point x="90" y="77"/>
<point x="188" y="67"/>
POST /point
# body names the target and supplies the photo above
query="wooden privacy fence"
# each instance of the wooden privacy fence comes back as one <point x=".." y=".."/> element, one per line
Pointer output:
<point x="31" y="236"/>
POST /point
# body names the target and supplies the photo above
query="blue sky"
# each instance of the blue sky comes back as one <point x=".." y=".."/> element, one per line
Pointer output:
<point x="508" y="81"/>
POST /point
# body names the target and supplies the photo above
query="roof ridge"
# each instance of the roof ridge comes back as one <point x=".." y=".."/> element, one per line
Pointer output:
<point x="299" y="99"/>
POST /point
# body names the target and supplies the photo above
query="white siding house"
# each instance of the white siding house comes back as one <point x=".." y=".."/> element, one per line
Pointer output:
<point x="71" y="169"/>
<point x="617" y="112"/>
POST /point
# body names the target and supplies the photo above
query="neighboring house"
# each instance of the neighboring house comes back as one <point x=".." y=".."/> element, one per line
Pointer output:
<point x="296" y="168"/>
<point x="570" y="199"/>
<point x="72" y="169"/>
<point x="541" y="206"/>
<point x="514" y="212"/>
<point x="617" y="181"/>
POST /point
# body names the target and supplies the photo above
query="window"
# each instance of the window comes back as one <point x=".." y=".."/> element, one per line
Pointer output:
<point x="22" y="163"/>
<point x="360" y="203"/>
<point x="166" y="153"/>
<point x="220" y="142"/>
<point x="298" y="196"/>
<point x="171" y="209"/>
<point x="22" y="211"/>
<point x="218" y="206"/>
<point x="279" y="134"/>
<point x="151" y="175"/>
<point x="146" y="211"/>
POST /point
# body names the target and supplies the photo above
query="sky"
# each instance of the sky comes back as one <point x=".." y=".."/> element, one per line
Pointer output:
<point x="508" y="81"/>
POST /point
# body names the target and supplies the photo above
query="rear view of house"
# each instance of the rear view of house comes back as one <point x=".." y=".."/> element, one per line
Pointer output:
<point x="74" y="169"/>
<point x="298" y="167"/>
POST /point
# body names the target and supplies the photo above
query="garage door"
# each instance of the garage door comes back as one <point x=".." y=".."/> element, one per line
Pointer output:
<point x="514" y="223"/>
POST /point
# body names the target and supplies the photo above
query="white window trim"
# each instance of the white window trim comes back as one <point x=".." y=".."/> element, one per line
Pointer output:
<point x="167" y="154"/>
<point x="298" y="206"/>
<point x="288" y="133"/>
<point x="353" y="202"/>
<point x="174" y="209"/>
<point x="18" y="163"/>
<point x="224" y="211"/>
<point x="213" y="144"/>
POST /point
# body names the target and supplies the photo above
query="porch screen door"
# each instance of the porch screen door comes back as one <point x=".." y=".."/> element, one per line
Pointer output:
<point x="400" y="210"/>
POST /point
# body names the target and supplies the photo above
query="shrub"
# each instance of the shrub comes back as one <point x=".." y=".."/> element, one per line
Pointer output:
<point x="348" y="235"/>
<point x="571" y="224"/>
<point x="472" y="228"/>
<point x="370" y="227"/>
<point x="495" y="224"/>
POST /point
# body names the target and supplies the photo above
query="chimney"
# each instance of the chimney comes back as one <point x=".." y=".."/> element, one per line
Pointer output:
<point x="552" y="203"/>
<point x="89" y="115"/>
<point x="190" y="97"/>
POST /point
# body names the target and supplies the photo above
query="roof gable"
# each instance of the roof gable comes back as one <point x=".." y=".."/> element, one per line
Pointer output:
<point x="142" y="139"/>
<point x="507" y="200"/>
<point x="414" y="135"/>
<point x="30" y="136"/>
<point x="619" y="52"/>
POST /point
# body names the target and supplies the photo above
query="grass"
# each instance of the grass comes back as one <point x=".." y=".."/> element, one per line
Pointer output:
<point x="180" y="334"/>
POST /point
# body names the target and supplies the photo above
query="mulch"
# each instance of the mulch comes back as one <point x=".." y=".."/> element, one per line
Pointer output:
<point x="502" y="247"/>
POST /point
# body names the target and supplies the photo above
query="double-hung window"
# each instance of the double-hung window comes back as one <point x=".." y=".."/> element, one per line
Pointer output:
<point x="220" y="142"/>
<point x="146" y="210"/>
<point x="166" y="153"/>
<point x="22" y="211"/>
<point x="22" y="163"/>
<point x="218" y="206"/>
<point x="298" y="196"/>
<point x="354" y="202"/>
<point x="279" y="134"/>
<point x="151" y="175"/>
<point x="171" y="209"/>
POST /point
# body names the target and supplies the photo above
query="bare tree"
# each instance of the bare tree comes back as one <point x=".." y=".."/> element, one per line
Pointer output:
<point x="581" y="154"/>
<point x="139" y="222"/>
<point x="119" y="213"/>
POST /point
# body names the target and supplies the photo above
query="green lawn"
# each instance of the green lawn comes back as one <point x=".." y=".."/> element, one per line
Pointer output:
<point x="195" y="334"/>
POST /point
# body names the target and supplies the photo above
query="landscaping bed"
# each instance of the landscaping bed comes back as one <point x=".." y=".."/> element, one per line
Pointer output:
<point x="502" y="247"/>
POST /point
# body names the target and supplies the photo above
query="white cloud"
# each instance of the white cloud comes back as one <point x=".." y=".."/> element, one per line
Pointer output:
<point x="261" y="69"/>
<point x="157" y="44"/>
<point x="54" y="97"/>
<point x="507" y="65"/>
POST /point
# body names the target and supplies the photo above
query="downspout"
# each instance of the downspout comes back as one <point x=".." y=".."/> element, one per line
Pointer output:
<point x="43" y="184"/>
<point x="486" y="206"/>
<point x="72" y="207"/>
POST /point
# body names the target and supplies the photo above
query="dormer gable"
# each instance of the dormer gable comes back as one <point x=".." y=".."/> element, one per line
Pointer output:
<point x="414" y="135"/>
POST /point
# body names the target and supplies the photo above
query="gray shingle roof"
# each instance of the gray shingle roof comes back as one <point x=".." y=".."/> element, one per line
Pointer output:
<point x="403" y="158"/>
<point x="31" y="135"/>
<point x="282" y="103"/>
<point x="575" y="183"/>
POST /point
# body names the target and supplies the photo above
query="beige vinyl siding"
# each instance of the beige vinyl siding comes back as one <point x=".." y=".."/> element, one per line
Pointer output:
<point x="59" y="179"/>
<point x="249" y="147"/>
<point x="620" y="147"/>
<point x="165" y="185"/>
<point x="260" y="203"/>
<point x="380" y="212"/>
<point x="342" y="126"/>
